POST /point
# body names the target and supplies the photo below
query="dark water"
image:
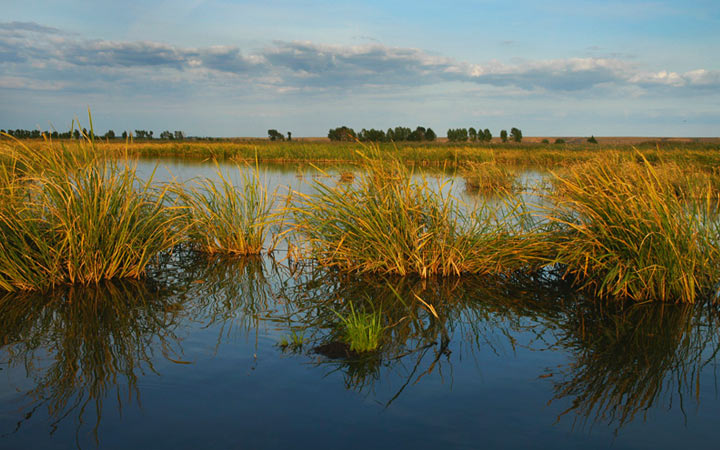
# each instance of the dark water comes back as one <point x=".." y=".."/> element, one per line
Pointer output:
<point x="194" y="357"/>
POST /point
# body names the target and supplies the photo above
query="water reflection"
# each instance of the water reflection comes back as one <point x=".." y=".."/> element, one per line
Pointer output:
<point x="627" y="362"/>
<point x="84" y="346"/>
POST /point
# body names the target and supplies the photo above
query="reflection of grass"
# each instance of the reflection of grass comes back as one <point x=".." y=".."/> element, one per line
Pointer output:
<point x="86" y="342"/>
<point x="625" y="362"/>
<point x="362" y="330"/>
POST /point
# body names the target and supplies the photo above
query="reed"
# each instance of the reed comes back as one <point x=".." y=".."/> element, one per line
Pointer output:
<point x="226" y="219"/>
<point x="65" y="223"/>
<point x="392" y="222"/>
<point x="489" y="177"/>
<point x="630" y="235"/>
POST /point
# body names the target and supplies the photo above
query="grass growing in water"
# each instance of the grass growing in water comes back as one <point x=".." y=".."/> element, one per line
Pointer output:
<point x="489" y="177"/>
<point x="390" y="222"/>
<point x="634" y="237"/>
<point x="362" y="330"/>
<point x="60" y="225"/>
<point x="223" y="218"/>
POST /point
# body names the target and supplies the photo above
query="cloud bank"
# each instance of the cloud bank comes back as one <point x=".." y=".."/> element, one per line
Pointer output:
<point x="38" y="57"/>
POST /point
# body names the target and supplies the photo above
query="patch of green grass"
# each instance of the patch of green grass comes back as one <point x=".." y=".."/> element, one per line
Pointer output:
<point x="362" y="330"/>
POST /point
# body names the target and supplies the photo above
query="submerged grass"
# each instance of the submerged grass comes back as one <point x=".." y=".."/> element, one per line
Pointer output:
<point x="630" y="235"/>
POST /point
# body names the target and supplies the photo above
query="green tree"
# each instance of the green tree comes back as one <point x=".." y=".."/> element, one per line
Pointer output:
<point x="516" y="134"/>
<point x="487" y="135"/>
<point x="503" y="135"/>
<point x="110" y="134"/>
<point x="592" y="140"/>
<point x="472" y="134"/>
<point x="275" y="135"/>
<point x="430" y="135"/>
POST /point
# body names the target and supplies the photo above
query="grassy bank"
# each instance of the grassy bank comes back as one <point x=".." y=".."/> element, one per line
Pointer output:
<point x="705" y="154"/>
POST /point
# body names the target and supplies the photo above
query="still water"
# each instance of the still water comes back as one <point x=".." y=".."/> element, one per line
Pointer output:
<point x="248" y="353"/>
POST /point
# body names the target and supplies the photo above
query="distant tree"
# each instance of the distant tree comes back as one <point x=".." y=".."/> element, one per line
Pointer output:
<point x="342" y="134"/>
<point x="275" y="135"/>
<point x="472" y="134"/>
<point x="516" y="134"/>
<point x="124" y="135"/>
<point x="372" y="135"/>
<point x="76" y="134"/>
<point x="559" y="141"/>
<point x="457" y="135"/>
<point x="592" y="140"/>
<point x="179" y="135"/>
<point x="487" y="135"/>
<point x="110" y="134"/>
<point x="544" y="141"/>
<point x="430" y="135"/>
<point x="54" y="135"/>
<point x="418" y="135"/>
<point x="167" y="135"/>
<point x="402" y="133"/>
<point x="149" y="134"/>
<point x="289" y="136"/>
<point x="503" y="135"/>
<point x="390" y="134"/>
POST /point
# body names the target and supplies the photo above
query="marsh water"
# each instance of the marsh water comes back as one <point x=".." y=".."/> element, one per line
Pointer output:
<point x="248" y="353"/>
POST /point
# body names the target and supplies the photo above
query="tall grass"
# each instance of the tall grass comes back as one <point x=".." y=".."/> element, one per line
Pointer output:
<point x="63" y="224"/>
<point x="630" y="235"/>
<point x="391" y="222"/>
<point x="489" y="177"/>
<point x="225" y="219"/>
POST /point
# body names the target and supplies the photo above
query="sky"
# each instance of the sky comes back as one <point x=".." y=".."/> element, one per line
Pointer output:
<point x="239" y="68"/>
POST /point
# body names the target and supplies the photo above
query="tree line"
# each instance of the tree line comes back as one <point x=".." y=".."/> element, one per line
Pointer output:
<point x="396" y="134"/>
<point x="480" y="135"/>
<point x="77" y="133"/>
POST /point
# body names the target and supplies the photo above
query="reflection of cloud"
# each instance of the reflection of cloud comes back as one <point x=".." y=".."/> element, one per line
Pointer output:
<point x="45" y="56"/>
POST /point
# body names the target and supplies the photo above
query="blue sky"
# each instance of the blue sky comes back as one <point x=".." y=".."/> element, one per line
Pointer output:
<point x="237" y="68"/>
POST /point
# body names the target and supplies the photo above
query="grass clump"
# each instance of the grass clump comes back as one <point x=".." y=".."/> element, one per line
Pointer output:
<point x="226" y="219"/>
<point x="391" y="222"/>
<point x="63" y="225"/>
<point x="489" y="177"/>
<point x="630" y="235"/>
<point x="362" y="330"/>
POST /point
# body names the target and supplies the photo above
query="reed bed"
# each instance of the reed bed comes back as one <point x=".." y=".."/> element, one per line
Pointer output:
<point x="391" y="222"/>
<point x="629" y="235"/>
<point x="222" y="218"/>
